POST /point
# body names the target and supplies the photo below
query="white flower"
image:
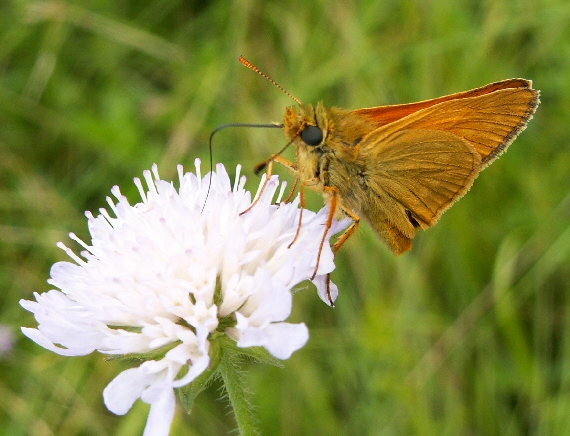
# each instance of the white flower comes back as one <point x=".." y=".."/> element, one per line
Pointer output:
<point x="167" y="271"/>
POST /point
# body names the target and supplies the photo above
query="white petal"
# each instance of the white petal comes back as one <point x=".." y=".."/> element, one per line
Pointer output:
<point x="125" y="389"/>
<point x="252" y="337"/>
<point x="199" y="365"/>
<point x="329" y="295"/>
<point x="280" y="339"/>
<point x="162" y="402"/>
<point x="284" y="338"/>
<point x="63" y="321"/>
<point x="123" y="342"/>
<point x="40" y="339"/>
<point x="275" y="305"/>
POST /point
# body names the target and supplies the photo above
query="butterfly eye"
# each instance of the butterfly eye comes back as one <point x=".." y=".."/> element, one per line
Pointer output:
<point x="312" y="135"/>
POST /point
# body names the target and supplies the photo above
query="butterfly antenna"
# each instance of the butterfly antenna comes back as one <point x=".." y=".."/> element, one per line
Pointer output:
<point x="249" y="65"/>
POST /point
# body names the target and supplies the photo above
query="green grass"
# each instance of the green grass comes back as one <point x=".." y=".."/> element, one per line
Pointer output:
<point x="468" y="334"/>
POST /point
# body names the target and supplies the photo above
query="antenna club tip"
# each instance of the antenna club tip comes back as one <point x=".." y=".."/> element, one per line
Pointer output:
<point x="245" y="62"/>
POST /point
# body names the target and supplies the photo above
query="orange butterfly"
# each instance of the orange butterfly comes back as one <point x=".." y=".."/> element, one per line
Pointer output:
<point x="401" y="166"/>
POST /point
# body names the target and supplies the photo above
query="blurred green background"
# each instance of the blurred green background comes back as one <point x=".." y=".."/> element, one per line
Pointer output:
<point x="468" y="334"/>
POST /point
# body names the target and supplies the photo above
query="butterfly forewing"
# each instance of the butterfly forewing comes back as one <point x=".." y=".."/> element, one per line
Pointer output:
<point x="489" y="121"/>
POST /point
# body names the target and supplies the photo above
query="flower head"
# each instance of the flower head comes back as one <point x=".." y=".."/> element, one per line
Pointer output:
<point x="162" y="277"/>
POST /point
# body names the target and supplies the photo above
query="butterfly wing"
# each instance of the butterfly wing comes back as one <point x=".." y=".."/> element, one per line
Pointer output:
<point x="412" y="176"/>
<point x="490" y="118"/>
<point x="425" y="156"/>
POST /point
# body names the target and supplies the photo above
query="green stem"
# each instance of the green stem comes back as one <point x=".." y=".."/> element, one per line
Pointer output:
<point x="234" y="386"/>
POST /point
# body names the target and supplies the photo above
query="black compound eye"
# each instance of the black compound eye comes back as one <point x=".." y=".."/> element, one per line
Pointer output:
<point x="312" y="135"/>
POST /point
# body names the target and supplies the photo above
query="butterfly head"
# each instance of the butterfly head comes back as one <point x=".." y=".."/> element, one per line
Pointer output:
<point x="306" y="126"/>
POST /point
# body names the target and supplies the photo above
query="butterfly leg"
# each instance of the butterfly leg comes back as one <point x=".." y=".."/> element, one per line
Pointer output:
<point x="287" y="164"/>
<point x="304" y="184"/>
<point x="332" y="193"/>
<point x="349" y="231"/>
<point x="288" y="199"/>
<point x="291" y="166"/>
<point x="268" y="176"/>
<point x="336" y="203"/>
